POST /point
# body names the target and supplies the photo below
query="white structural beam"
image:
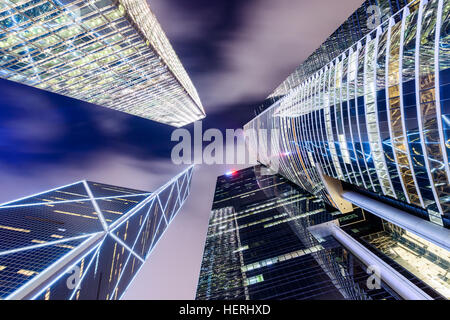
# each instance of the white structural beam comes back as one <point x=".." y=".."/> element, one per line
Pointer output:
<point x="432" y="232"/>
<point x="53" y="272"/>
<point x="405" y="288"/>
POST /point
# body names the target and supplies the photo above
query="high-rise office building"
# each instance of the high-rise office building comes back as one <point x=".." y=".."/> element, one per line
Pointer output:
<point x="363" y="125"/>
<point x="109" y="52"/>
<point x="269" y="239"/>
<point x="85" y="240"/>
<point x="369" y="129"/>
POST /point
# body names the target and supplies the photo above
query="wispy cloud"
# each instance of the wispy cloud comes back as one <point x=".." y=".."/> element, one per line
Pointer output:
<point x="269" y="39"/>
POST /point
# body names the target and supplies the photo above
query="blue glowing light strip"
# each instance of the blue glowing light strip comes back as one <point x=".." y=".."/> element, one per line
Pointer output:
<point x="96" y="207"/>
<point x="126" y="247"/>
<point x="24" y="291"/>
<point x="3" y="253"/>
<point x="40" y="193"/>
<point x="147" y="256"/>
<point x="94" y="257"/>
<point x="70" y="201"/>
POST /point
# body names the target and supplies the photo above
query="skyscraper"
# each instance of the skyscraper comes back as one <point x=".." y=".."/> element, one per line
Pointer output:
<point x="362" y="22"/>
<point x="369" y="127"/>
<point x="362" y="125"/>
<point x="109" y="52"/>
<point x="85" y="240"/>
<point x="269" y="239"/>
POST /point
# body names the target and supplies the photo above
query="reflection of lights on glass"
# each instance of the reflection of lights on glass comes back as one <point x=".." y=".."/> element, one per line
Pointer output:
<point x="446" y="119"/>
<point x="231" y="173"/>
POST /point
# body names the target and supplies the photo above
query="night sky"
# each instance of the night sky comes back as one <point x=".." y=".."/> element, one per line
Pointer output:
<point x="236" y="52"/>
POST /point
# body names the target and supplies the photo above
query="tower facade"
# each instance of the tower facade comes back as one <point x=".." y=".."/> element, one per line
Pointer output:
<point x="85" y="240"/>
<point x="369" y="128"/>
<point x="269" y="239"/>
<point x="362" y="124"/>
<point x="112" y="53"/>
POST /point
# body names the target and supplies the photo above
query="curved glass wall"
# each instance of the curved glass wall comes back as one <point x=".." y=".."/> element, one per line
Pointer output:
<point x="382" y="114"/>
<point x="443" y="84"/>
<point x="367" y="180"/>
<point x="435" y="158"/>
<point x="371" y="118"/>
<point x="395" y="115"/>
<point x="377" y="116"/>
<point x="361" y="123"/>
<point x="410" y="110"/>
<point x="328" y="122"/>
<point x="349" y="105"/>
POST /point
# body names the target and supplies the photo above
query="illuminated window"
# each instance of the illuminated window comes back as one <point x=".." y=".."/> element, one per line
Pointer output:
<point x="26" y="272"/>
<point x="253" y="280"/>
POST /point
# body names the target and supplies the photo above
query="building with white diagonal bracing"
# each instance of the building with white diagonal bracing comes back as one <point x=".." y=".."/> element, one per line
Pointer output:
<point x="85" y="240"/>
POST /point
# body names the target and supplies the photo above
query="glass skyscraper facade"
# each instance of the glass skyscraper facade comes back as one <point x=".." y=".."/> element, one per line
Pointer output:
<point x="375" y="117"/>
<point x="112" y="53"/>
<point x="85" y="240"/>
<point x="363" y="126"/>
<point x="266" y="240"/>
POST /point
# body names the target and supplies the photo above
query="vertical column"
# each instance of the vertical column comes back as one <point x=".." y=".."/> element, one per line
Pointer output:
<point x="372" y="119"/>
<point x="427" y="114"/>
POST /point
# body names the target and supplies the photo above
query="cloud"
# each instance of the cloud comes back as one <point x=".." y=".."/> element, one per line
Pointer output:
<point x="268" y="41"/>
<point x="182" y="24"/>
<point x="110" y="168"/>
<point x="18" y="125"/>
<point x="277" y="37"/>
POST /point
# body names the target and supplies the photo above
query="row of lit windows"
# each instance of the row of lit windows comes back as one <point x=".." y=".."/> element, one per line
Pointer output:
<point x="284" y="257"/>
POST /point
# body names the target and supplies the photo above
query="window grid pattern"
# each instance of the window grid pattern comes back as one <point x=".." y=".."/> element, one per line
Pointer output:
<point x="108" y="52"/>
<point x="126" y="223"/>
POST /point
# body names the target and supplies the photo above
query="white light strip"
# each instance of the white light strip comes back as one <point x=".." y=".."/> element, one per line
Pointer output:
<point x="162" y="209"/>
<point x="65" y="272"/>
<point x="55" y="270"/>
<point x="94" y="257"/>
<point x="40" y="193"/>
<point x="96" y="207"/>
<point x="126" y="247"/>
<point x="87" y="199"/>
<point x="3" y="253"/>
